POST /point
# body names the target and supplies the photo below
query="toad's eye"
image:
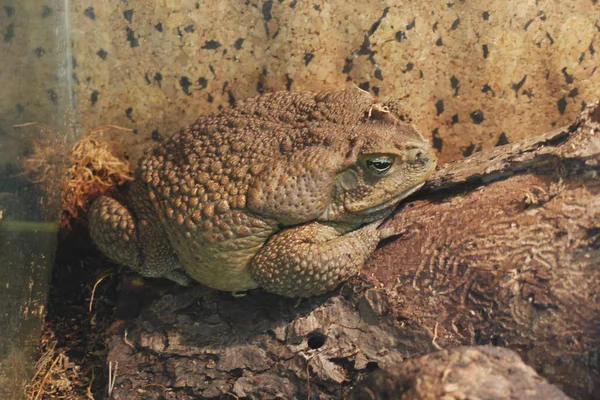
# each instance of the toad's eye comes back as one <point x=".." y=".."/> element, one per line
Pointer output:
<point x="380" y="164"/>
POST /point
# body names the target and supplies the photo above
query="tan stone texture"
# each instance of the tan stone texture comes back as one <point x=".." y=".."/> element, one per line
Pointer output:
<point x="471" y="73"/>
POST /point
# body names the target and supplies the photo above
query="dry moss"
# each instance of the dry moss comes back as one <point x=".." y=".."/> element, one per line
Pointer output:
<point x="93" y="171"/>
<point x="89" y="170"/>
<point x="56" y="377"/>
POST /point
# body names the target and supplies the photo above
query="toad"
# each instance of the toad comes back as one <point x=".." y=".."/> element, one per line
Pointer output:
<point x="285" y="191"/>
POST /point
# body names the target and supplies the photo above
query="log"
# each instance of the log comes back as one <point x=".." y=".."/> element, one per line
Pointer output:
<point x="468" y="372"/>
<point x="501" y="248"/>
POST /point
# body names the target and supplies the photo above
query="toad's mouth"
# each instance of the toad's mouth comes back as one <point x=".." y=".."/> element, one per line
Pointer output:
<point x="391" y="202"/>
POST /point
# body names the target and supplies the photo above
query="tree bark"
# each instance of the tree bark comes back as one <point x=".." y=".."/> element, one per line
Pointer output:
<point x="501" y="248"/>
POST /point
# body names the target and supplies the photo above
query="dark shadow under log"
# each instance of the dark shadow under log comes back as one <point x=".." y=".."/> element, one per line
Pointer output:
<point x="500" y="248"/>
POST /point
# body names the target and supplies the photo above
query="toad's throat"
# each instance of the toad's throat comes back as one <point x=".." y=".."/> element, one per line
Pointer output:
<point x="371" y="213"/>
<point x="391" y="202"/>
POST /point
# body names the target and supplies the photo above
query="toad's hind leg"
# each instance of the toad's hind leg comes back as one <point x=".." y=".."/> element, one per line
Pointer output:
<point x="312" y="259"/>
<point x="139" y="244"/>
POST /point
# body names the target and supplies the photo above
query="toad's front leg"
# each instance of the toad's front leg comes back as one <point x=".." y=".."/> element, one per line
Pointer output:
<point x="313" y="259"/>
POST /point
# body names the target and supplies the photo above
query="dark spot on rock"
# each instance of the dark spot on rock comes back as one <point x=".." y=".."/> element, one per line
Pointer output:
<point x="89" y="12"/>
<point x="288" y="82"/>
<point x="197" y="6"/>
<point x="102" y="54"/>
<point x="409" y="66"/>
<point x="159" y="27"/>
<point x="10" y="11"/>
<point x="467" y="151"/>
<point x="189" y="29"/>
<point x="435" y="26"/>
<point x="591" y="47"/>
<point x="156" y="136"/>
<point x="517" y="86"/>
<point x="439" y="42"/>
<point x="411" y="25"/>
<point x="400" y="36"/>
<point x="39" y="52"/>
<point x="133" y="41"/>
<point x="365" y="47"/>
<point x="455" y="85"/>
<point x="75" y="78"/>
<point x="378" y="22"/>
<point x="568" y="78"/>
<point x="438" y="142"/>
<point x="128" y="14"/>
<point x="502" y="140"/>
<point x="147" y="78"/>
<point x="74" y="62"/>
<point x="454" y="119"/>
<point x="10" y="33"/>
<point x="260" y="86"/>
<point x="477" y="117"/>
<point x="421" y="74"/>
<point x="527" y="24"/>
<point x="375" y="90"/>
<point x="128" y="113"/>
<point x="293" y="3"/>
<point x="439" y="106"/>
<point x="158" y="78"/>
<point x="316" y="339"/>
<point x="211" y="45"/>
<point x="210" y="98"/>
<point x="581" y="56"/>
<point x="46" y="12"/>
<point x="378" y="74"/>
<point x="94" y="97"/>
<point x="455" y="24"/>
<point x="308" y="57"/>
<point x="486" y="88"/>
<point x="364" y="86"/>
<point x="212" y="69"/>
<point x="230" y="98"/>
<point x="203" y="82"/>
<point x="486" y="52"/>
<point x="238" y="44"/>
<point x="550" y="38"/>
<point x="317" y="7"/>
<point x="53" y="96"/>
<point x="266" y="12"/>
<point x="528" y="93"/>
<point x="562" y="105"/>
<point x="574" y="92"/>
<point x="348" y="64"/>
<point x="584" y="105"/>
<point x="486" y="16"/>
<point x="185" y="84"/>
<point x="277" y="32"/>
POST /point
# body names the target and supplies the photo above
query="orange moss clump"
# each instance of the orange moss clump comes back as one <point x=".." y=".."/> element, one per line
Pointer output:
<point x="88" y="171"/>
<point x="94" y="171"/>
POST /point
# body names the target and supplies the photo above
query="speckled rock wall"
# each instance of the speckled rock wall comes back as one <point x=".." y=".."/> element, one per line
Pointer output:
<point x="33" y="71"/>
<point x="473" y="74"/>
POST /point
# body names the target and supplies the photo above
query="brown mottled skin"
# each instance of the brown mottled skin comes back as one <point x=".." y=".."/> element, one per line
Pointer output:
<point x="284" y="191"/>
